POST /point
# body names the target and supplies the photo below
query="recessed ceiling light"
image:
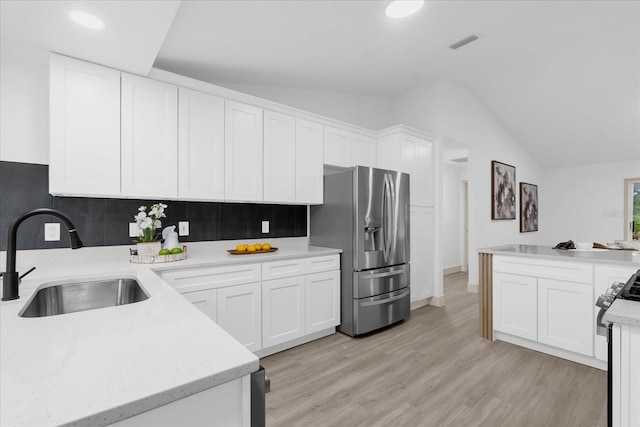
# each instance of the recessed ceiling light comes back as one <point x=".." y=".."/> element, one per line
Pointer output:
<point x="86" y="19"/>
<point x="402" y="8"/>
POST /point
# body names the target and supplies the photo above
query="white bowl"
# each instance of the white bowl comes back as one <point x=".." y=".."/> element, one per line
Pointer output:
<point x="583" y="245"/>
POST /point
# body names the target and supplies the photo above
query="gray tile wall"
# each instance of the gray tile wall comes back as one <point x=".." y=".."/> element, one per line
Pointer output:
<point x="104" y="222"/>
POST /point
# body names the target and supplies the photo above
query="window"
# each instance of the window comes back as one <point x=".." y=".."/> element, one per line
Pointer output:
<point x="632" y="209"/>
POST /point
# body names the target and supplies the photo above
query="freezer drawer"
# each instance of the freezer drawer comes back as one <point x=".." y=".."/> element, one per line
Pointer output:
<point x="379" y="311"/>
<point x="370" y="283"/>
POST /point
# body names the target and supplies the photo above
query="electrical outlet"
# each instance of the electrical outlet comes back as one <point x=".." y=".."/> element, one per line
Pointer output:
<point x="51" y="232"/>
<point x="183" y="228"/>
<point x="133" y="229"/>
<point x="265" y="227"/>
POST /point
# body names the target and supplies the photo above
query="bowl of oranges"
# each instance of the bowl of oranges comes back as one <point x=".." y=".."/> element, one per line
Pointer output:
<point x="257" y="248"/>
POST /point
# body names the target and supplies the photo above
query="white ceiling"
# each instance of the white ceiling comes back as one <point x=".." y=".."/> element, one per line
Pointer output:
<point x="563" y="77"/>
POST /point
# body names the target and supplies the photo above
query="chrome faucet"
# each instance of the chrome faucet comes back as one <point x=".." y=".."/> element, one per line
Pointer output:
<point x="10" y="278"/>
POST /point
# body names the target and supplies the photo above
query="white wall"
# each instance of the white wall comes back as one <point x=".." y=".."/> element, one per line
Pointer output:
<point x="451" y="112"/>
<point x="452" y="177"/>
<point x="370" y="112"/>
<point x="24" y="104"/>
<point x="586" y="203"/>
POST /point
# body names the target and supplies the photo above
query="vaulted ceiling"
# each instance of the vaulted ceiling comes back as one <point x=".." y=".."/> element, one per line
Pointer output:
<point x="562" y="77"/>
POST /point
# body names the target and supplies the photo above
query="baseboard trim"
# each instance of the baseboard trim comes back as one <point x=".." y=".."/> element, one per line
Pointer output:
<point x="420" y="303"/>
<point x="473" y="288"/>
<point x="437" y="301"/>
<point x="450" y="270"/>
<point x="294" y="343"/>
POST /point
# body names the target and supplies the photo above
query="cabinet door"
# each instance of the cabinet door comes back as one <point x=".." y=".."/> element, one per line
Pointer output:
<point x="565" y="315"/>
<point x="422" y="252"/>
<point x="515" y="305"/>
<point x="243" y="152"/>
<point x="422" y="191"/>
<point x="149" y="138"/>
<point x="362" y="150"/>
<point x="336" y="145"/>
<point x="282" y="310"/>
<point x="309" y="162"/>
<point x="84" y="128"/>
<point x="205" y="301"/>
<point x="604" y="276"/>
<point x="321" y="301"/>
<point x="279" y="157"/>
<point x="239" y="313"/>
<point x="200" y="146"/>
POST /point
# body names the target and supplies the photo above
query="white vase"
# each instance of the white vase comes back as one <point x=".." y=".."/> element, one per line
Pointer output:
<point x="149" y="248"/>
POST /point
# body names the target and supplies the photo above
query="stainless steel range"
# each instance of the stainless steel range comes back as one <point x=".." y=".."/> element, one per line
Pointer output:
<point x="628" y="291"/>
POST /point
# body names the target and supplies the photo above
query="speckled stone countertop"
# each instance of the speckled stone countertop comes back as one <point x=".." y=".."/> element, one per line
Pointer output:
<point x="96" y="367"/>
<point x="604" y="256"/>
<point x="624" y="312"/>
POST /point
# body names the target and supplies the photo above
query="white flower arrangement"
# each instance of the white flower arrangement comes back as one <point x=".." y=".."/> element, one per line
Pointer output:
<point x="148" y="223"/>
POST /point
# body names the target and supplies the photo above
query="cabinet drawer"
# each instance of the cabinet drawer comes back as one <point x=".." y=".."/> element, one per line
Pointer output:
<point x="213" y="277"/>
<point x="285" y="268"/>
<point x="322" y="263"/>
<point x="544" y="268"/>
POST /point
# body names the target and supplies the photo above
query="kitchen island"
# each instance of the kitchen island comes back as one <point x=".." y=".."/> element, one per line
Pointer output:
<point x="544" y="299"/>
<point x="98" y="367"/>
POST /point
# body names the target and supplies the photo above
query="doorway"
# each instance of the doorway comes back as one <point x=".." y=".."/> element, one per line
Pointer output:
<point x="464" y="244"/>
<point x="632" y="209"/>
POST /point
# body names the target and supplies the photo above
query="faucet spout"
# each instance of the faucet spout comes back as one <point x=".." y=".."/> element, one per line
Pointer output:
<point x="10" y="277"/>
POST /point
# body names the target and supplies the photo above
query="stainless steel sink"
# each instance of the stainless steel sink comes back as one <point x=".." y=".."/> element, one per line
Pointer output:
<point x="71" y="297"/>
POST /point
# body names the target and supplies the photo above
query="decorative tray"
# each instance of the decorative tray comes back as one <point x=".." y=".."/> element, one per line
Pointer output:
<point x="156" y="259"/>
<point x="261" y="251"/>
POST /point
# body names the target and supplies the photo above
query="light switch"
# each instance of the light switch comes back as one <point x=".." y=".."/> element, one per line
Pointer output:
<point x="51" y="232"/>
<point x="133" y="229"/>
<point x="265" y="227"/>
<point x="183" y="228"/>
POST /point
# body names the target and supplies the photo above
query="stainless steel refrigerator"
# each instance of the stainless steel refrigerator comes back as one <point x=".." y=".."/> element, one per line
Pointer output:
<point x="366" y="214"/>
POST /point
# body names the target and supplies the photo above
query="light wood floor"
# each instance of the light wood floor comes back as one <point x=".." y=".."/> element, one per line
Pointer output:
<point x="432" y="370"/>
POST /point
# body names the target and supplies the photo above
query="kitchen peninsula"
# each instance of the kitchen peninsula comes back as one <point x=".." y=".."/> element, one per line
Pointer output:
<point x="103" y="366"/>
<point x="544" y="299"/>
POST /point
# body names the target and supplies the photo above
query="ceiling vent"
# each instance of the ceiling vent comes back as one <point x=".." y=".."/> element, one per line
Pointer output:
<point x="460" y="160"/>
<point x="464" y="41"/>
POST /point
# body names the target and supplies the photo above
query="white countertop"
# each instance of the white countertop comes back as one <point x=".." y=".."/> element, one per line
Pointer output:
<point x="623" y="312"/>
<point x="600" y="256"/>
<point x="99" y="366"/>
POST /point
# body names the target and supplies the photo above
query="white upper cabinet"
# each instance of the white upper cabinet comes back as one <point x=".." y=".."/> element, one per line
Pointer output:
<point x="362" y="150"/>
<point x="309" y="162"/>
<point x="410" y="154"/>
<point x="84" y="128"/>
<point x="279" y="158"/>
<point x="149" y="138"/>
<point x="336" y="144"/>
<point x="243" y="152"/>
<point x="345" y="149"/>
<point x="200" y="146"/>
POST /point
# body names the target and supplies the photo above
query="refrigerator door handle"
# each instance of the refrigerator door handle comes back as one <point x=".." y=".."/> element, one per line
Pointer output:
<point x="386" y="200"/>
<point x="385" y="300"/>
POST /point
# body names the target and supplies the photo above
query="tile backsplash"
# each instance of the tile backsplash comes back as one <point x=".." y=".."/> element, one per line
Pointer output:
<point x="104" y="222"/>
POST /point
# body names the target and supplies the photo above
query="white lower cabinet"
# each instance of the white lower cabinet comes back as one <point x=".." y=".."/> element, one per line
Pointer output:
<point x="239" y="313"/>
<point x="282" y="310"/>
<point x="626" y="376"/>
<point x="515" y="306"/>
<point x="321" y="301"/>
<point x="267" y="307"/>
<point x="206" y="301"/>
<point x="565" y="315"/>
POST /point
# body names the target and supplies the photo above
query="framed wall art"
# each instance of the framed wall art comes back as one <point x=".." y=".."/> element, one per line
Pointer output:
<point x="503" y="191"/>
<point x="528" y="207"/>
